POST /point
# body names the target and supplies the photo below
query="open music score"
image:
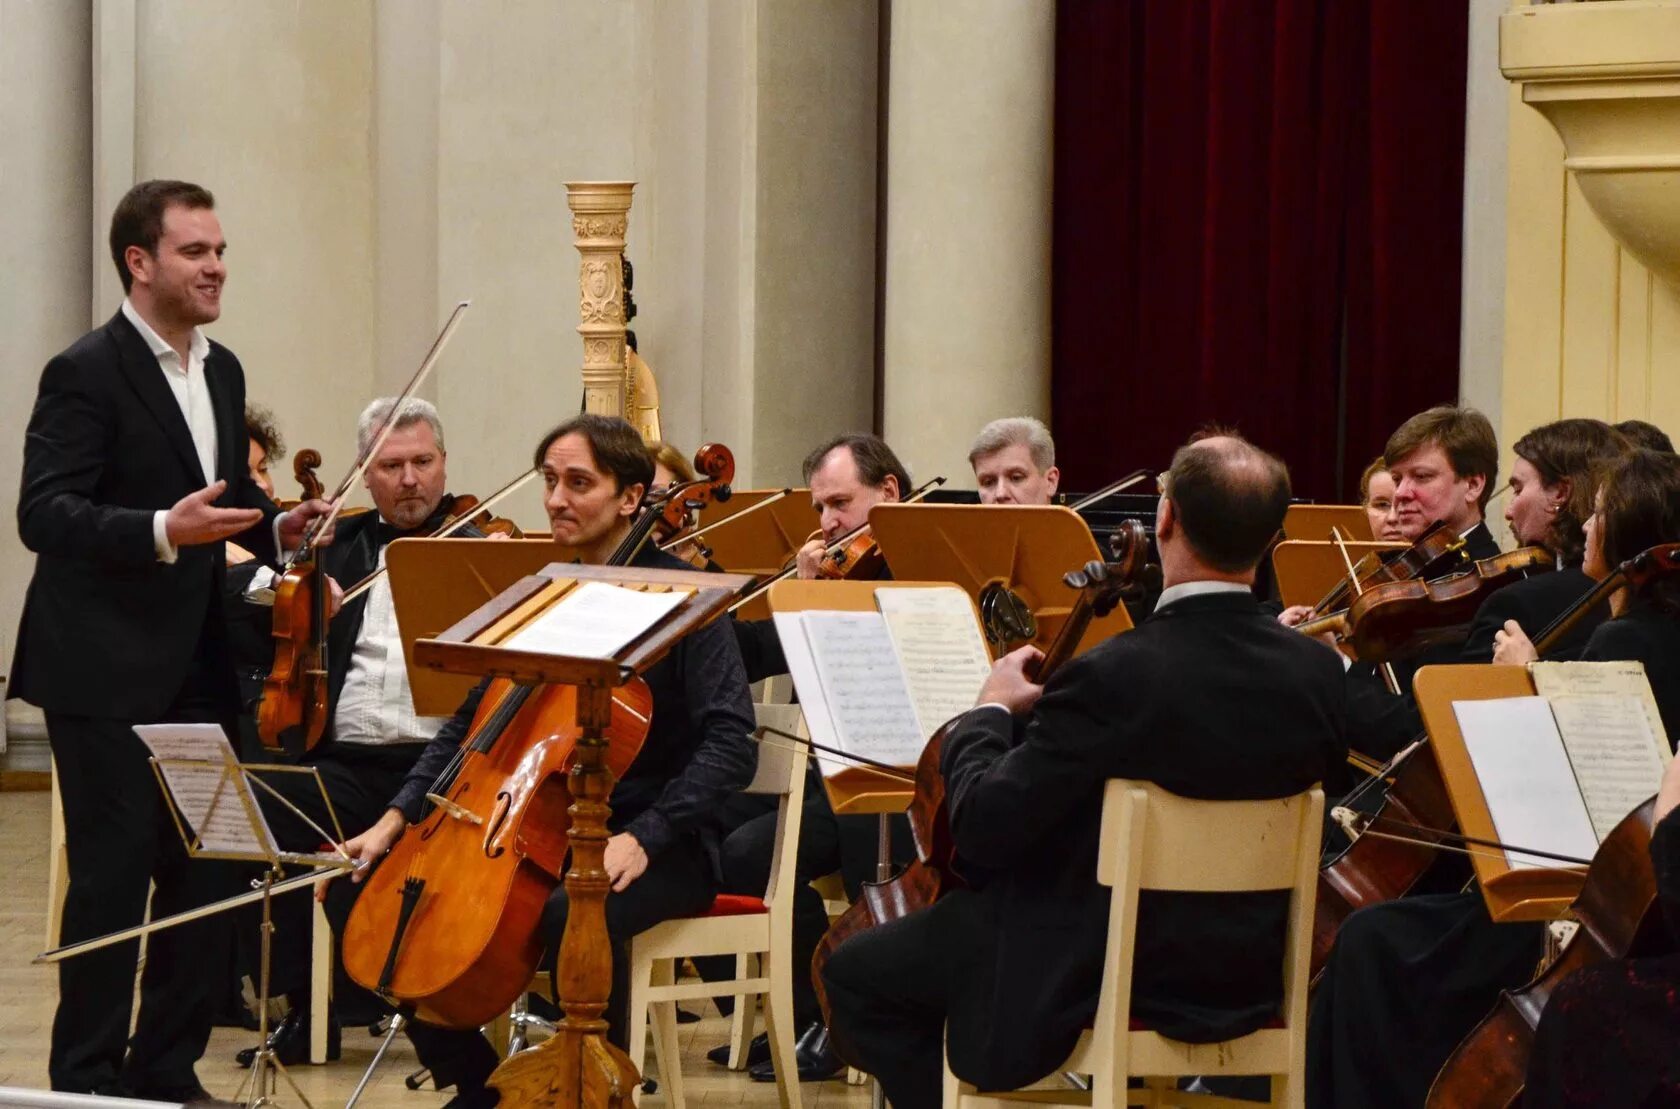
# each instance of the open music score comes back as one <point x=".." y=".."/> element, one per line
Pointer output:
<point x="892" y="672"/>
<point x="1550" y="761"/>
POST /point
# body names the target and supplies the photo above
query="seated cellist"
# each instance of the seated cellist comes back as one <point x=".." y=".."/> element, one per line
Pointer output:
<point x="661" y="857"/>
<point x="1004" y="976"/>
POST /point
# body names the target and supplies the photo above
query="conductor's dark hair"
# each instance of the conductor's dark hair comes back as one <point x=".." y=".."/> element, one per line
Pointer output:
<point x="138" y="220"/>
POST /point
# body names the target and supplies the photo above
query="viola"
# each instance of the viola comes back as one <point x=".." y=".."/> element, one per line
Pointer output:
<point x="1616" y="910"/>
<point x="292" y="716"/>
<point x="469" y="508"/>
<point x="933" y="871"/>
<point x="449" y="921"/>
<point x="304" y="464"/>
<point x="1401" y="618"/>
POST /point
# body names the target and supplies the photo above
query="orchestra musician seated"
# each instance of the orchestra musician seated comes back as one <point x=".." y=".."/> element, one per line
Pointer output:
<point x="1376" y="494"/>
<point x="1014" y="462"/>
<point x="1406" y="980"/>
<point x="660" y="857"/>
<point x="373" y="735"/>
<point x="1609" y="1033"/>
<point x="1005" y="975"/>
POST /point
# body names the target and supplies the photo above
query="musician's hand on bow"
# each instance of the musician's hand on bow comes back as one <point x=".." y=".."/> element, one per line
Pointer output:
<point x="371" y="846"/>
<point x="1008" y="684"/>
<point x="1511" y="646"/>
<point x="1295" y="614"/>
<point x="337" y="601"/>
<point x="624" y="859"/>
<point x="293" y="524"/>
<point x="195" y="519"/>
<point x="809" y="558"/>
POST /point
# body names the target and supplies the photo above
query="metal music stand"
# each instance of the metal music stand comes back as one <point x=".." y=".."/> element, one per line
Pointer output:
<point x="208" y="792"/>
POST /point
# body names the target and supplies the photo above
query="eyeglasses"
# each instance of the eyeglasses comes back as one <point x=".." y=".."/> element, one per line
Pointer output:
<point x="1163" y="481"/>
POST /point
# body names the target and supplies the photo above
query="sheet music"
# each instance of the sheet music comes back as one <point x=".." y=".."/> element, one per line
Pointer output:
<point x="594" y="620"/>
<point x="1556" y="679"/>
<point x="865" y="691"/>
<point x="1526" y="777"/>
<point x="1618" y="763"/>
<point x="939" y="647"/>
<point x="206" y="784"/>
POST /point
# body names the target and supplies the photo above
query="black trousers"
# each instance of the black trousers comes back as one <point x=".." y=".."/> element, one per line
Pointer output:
<point x="680" y="882"/>
<point x="360" y="779"/>
<point x="120" y="840"/>
<point x="745" y="858"/>
<point x="889" y="992"/>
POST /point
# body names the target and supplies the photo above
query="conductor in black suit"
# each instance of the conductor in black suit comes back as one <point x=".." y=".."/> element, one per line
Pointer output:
<point x="134" y="473"/>
<point x="1209" y="698"/>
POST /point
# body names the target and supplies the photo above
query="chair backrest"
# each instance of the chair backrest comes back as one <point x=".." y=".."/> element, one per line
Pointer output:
<point x="781" y="773"/>
<point x="1154" y="839"/>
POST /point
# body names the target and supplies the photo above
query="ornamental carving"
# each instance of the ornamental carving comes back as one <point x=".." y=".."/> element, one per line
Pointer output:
<point x="600" y="227"/>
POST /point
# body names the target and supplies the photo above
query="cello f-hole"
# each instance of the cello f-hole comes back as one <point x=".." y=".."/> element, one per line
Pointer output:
<point x="493" y="826"/>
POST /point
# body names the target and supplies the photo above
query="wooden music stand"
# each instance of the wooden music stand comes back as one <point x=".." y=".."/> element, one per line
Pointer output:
<point x="1512" y="894"/>
<point x="762" y="543"/>
<point x="577" y="1066"/>
<point x="1314" y="521"/>
<point x="437" y="582"/>
<point x="1308" y="569"/>
<point x="982" y="549"/>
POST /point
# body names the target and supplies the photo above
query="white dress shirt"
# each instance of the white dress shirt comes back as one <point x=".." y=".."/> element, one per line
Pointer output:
<point x="375" y="705"/>
<point x="192" y="393"/>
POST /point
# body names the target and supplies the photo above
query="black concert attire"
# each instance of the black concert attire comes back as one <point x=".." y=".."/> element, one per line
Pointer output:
<point x="1610" y="1035"/>
<point x="119" y="628"/>
<point x="1209" y="698"/>
<point x="362" y="760"/>
<point x="1407" y="980"/>
<point x="697" y="754"/>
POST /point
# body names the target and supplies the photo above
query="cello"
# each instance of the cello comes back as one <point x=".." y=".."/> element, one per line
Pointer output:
<point x="448" y="923"/>
<point x="932" y="872"/>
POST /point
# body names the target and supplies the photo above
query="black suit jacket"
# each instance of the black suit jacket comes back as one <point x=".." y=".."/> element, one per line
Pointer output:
<point x="107" y="629"/>
<point x="1534" y="603"/>
<point x="1209" y="698"/>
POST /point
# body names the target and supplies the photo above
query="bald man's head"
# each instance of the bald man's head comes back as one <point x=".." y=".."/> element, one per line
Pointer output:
<point x="1229" y="497"/>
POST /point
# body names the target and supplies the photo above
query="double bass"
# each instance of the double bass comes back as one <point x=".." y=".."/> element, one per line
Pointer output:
<point x="448" y="923"/>
<point x="933" y="872"/>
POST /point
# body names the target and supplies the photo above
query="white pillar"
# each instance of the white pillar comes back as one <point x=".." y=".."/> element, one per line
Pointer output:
<point x="967" y="224"/>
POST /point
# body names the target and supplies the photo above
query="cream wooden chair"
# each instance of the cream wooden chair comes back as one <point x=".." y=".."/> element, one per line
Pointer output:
<point x="758" y="932"/>
<point x="1152" y="839"/>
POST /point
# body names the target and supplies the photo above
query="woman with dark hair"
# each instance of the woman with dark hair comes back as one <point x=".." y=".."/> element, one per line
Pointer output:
<point x="1552" y="482"/>
<point x="1611" y="1033"/>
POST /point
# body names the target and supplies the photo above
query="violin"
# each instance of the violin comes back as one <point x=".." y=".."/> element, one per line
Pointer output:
<point x="933" y="872"/>
<point x="1401" y="618"/>
<point x="292" y="715"/>
<point x="449" y="922"/>
<point x="1437" y="551"/>
<point x="468" y="509"/>
<point x="675" y="528"/>
<point x="304" y="465"/>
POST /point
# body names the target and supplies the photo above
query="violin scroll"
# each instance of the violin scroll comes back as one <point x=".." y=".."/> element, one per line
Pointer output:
<point x="304" y="464"/>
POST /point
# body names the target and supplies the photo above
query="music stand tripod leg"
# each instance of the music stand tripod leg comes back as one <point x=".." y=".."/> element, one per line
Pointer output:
<point x="267" y="1063"/>
<point x="398" y="1020"/>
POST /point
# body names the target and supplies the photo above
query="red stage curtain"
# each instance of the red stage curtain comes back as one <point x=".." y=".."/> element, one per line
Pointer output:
<point x="1256" y="223"/>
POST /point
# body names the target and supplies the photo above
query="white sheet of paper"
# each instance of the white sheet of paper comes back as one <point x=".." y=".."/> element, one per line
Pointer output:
<point x="1557" y="679"/>
<point x="206" y="789"/>
<point x="868" y="701"/>
<point x="1525" y="775"/>
<point x="594" y="620"/>
<point x="937" y="639"/>
<point x="813" y="699"/>
<point x="1616" y="759"/>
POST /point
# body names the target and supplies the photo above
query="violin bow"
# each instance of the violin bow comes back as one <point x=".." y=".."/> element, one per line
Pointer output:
<point x="730" y="519"/>
<point x="386" y="427"/>
<point x="1386" y="668"/>
<point x="444" y="532"/>
<point x="1357" y="824"/>
<point x="921" y="491"/>
<point x="1109" y="490"/>
<point x="805" y="746"/>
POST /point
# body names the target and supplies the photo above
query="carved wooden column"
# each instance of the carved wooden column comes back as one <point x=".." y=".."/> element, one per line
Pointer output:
<point x="600" y="217"/>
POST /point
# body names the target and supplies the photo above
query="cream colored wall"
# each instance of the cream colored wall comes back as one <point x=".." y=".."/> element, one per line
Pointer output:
<point x="45" y="250"/>
<point x="1588" y="330"/>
